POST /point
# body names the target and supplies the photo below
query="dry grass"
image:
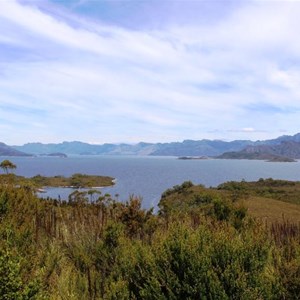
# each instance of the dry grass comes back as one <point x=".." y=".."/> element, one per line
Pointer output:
<point x="272" y="210"/>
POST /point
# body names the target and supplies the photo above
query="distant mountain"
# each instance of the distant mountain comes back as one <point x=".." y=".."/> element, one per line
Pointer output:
<point x="65" y="147"/>
<point x="186" y="148"/>
<point x="80" y="148"/>
<point x="9" y="151"/>
<point x="199" y="148"/>
<point x="283" y="138"/>
<point x="286" y="150"/>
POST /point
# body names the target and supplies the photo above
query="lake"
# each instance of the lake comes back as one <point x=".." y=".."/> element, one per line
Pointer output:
<point x="148" y="176"/>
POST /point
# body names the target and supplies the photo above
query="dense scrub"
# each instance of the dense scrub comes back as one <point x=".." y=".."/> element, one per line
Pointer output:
<point x="206" y="247"/>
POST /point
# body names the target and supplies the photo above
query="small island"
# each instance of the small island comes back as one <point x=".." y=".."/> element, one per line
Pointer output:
<point x="56" y="154"/>
<point x="75" y="181"/>
<point x="192" y="157"/>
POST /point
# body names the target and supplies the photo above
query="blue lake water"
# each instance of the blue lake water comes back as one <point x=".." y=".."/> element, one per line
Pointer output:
<point x="148" y="176"/>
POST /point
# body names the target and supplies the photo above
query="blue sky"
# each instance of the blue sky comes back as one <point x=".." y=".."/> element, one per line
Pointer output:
<point x="154" y="71"/>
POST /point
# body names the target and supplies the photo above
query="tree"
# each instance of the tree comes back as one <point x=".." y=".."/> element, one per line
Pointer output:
<point x="7" y="164"/>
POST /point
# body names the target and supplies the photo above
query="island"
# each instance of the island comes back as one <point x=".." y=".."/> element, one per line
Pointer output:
<point x="75" y="181"/>
<point x="192" y="157"/>
<point x="56" y="154"/>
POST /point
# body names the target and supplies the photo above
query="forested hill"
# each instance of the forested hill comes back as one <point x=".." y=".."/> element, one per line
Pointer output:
<point x="186" y="148"/>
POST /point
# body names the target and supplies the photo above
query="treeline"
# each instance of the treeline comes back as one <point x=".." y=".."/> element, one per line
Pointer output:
<point x="94" y="247"/>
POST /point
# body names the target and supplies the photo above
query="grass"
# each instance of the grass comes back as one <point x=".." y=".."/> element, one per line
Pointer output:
<point x="283" y="190"/>
<point x="272" y="210"/>
<point x="273" y="201"/>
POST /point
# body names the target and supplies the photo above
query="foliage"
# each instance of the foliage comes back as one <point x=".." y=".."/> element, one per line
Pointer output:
<point x="12" y="286"/>
<point x="202" y="245"/>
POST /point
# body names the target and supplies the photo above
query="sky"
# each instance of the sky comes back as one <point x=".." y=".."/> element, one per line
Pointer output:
<point x="113" y="71"/>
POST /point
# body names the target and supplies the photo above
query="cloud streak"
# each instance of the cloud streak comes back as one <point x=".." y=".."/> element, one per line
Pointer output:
<point x="70" y="77"/>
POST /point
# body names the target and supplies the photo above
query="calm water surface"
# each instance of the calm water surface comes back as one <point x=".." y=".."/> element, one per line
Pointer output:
<point x="149" y="177"/>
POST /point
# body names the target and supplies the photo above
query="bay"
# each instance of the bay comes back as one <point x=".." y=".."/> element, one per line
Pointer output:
<point x="148" y="176"/>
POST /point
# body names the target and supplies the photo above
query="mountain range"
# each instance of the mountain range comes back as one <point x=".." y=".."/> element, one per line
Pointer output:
<point x="285" y="146"/>
<point x="187" y="147"/>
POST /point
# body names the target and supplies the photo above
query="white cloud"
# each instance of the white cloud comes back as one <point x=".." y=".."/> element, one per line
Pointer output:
<point x="101" y="82"/>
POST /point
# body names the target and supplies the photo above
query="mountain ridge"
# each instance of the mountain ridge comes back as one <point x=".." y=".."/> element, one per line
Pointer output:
<point x="286" y="150"/>
<point x="6" y="150"/>
<point x="187" y="147"/>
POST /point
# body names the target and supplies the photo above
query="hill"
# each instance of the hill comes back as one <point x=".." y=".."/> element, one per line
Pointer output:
<point x="9" y="151"/>
<point x="285" y="151"/>
<point x="267" y="199"/>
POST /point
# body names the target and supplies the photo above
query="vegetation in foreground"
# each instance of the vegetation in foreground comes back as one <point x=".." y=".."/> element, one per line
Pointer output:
<point x="203" y="244"/>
